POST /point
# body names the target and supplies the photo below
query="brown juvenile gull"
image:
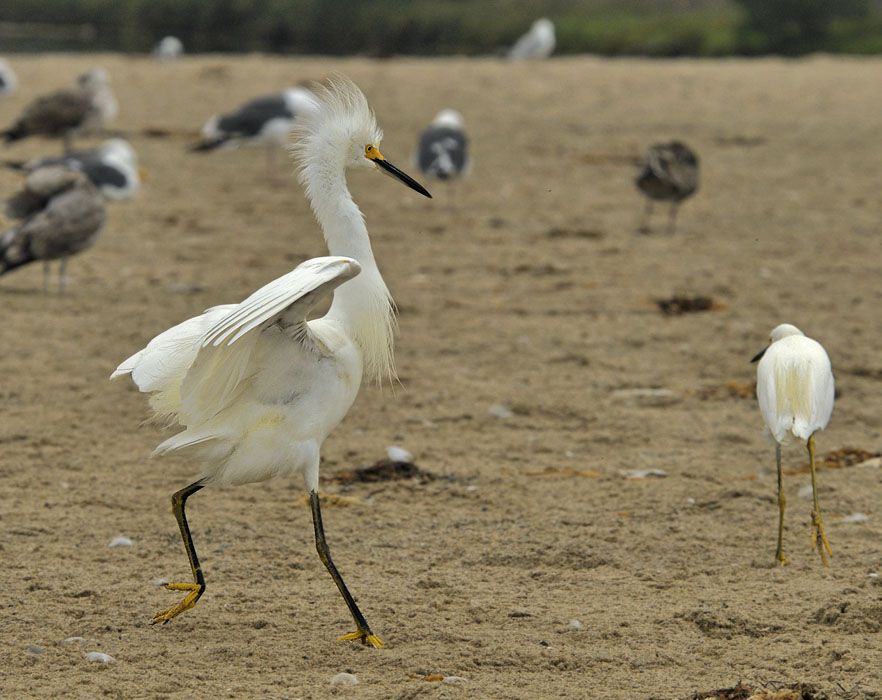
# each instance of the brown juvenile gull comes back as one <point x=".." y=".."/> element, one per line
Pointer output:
<point x="61" y="214"/>
<point x="63" y="113"/>
<point x="669" y="172"/>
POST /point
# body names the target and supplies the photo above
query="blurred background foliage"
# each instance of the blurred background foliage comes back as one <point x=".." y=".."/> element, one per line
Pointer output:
<point x="438" y="27"/>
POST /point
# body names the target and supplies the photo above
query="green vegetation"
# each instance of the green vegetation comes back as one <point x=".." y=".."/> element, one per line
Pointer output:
<point x="433" y="27"/>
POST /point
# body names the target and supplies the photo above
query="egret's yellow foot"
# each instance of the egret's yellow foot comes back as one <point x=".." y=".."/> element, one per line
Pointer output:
<point x="818" y="533"/>
<point x="187" y="603"/>
<point x="365" y="636"/>
<point x="782" y="560"/>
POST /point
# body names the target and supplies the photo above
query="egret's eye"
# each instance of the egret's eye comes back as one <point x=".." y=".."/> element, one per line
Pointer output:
<point x="369" y="151"/>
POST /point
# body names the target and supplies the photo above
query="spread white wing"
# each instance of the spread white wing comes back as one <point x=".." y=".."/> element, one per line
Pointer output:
<point x="199" y="366"/>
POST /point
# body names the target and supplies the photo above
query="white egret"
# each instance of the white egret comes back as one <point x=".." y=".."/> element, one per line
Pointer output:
<point x="669" y="172"/>
<point x="66" y="112"/>
<point x="61" y="214"/>
<point x="794" y="385"/>
<point x="256" y="386"/>
<point x="168" y="48"/>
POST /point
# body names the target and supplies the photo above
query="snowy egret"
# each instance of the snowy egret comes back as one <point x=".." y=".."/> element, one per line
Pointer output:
<point x="8" y="79"/>
<point x="537" y="43"/>
<point x="256" y="386"/>
<point x="62" y="214"/>
<point x="794" y="385"/>
<point x="669" y="172"/>
<point x="112" y="167"/>
<point x="443" y="148"/>
<point x="66" y="112"/>
<point x="265" y="121"/>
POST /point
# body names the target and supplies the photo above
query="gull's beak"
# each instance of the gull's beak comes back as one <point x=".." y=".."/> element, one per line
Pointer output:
<point x="386" y="167"/>
<point x="756" y="358"/>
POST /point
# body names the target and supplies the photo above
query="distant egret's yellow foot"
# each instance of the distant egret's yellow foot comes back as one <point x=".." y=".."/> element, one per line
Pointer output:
<point x="818" y="533"/>
<point x="365" y="636"/>
<point x="782" y="560"/>
<point x="187" y="603"/>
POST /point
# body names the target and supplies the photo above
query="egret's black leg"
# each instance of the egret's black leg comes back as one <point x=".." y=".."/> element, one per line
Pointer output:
<point x="363" y="631"/>
<point x="197" y="588"/>
<point x="782" y="503"/>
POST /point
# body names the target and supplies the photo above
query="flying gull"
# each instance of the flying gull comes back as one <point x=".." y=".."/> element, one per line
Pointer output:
<point x="61" y="213"/>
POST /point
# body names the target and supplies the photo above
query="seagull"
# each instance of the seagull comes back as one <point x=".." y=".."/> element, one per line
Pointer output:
<point x="443" y="148"/>
<point x="8" y="79"/>
<point x="537" y="43"/>
<point x="63" y="113"/>
<point x="112" y="167"/>
<point x="794" y="386"/>
<point x="62" y="214"/>
<point x="669" y="171"/>
<point x="257" y="387"/>
<point x="263" y="121"/>
<point x="168" y="48"/>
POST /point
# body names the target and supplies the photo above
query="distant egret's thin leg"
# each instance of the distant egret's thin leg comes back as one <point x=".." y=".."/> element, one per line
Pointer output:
<point x="672" y="217"/>
<point x="363" y="631"/>
<point x="782" y="502"/>
<point x="197" y="588"/>
<point x="817" y="525"/>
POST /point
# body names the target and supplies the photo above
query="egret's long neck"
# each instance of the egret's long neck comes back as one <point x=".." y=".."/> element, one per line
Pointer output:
<point x="363" y="304"/>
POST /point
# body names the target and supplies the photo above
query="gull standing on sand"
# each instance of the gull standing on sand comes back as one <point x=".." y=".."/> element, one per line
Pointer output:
<point x="264" y="121"/>
<point x="537" y="43"/>
<point x="67" y="112"/>
<point x="168" y="48"/>
<point x="669" y="172"/>
<point x="112" y="167"/>
<point x="8" y="79"/>
<point x="794" y="385"/>
<point x="61" y="215"/>
<point x="442" y="151"/>
<point x="255" y="385"/>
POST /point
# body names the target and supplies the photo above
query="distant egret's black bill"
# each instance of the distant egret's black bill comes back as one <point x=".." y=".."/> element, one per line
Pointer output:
<point x="756" y="358"/>
<point x="390" y="169"/>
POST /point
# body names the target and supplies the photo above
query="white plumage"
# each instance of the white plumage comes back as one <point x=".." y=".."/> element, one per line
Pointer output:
<point x="795" y="390"/>
<point x="794" y="385"/>
<point x="255" y="385"/>
<point x="537" y="43"/>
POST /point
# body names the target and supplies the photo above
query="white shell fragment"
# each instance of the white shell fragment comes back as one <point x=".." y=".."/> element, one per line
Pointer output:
<point x="120" y="542"/>
<point x="805" y="492"/>
<point x="500" y="410"/>
<point x="454" y="679"/>
<point x="98" y="656"/>
<point x="856" y="518"/>
<point x="398" y="454"/>
<point x="575" y="624"/>
<point x="71" y="640"/>
<point x="344" y="679"/>
<point x="642" y="473"/>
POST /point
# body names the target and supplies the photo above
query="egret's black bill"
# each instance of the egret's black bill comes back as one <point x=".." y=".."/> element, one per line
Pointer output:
<point x="758" y="356"/>
<point x="390" y="169"/>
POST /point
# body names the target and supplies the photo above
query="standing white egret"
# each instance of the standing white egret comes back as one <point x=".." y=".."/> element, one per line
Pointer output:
<point x="794" y="385"/>
<point x="537" y="43"/>
<point x="258" y="387"/>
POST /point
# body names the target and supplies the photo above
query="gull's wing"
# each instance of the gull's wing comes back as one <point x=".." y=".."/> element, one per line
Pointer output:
<point x="220" y="368"/>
